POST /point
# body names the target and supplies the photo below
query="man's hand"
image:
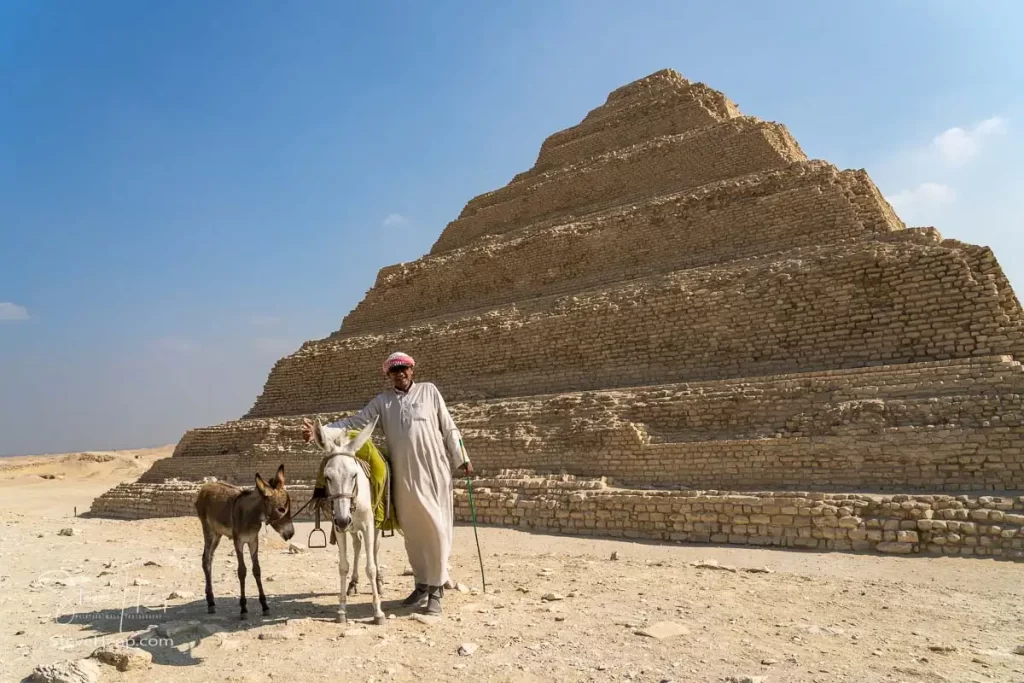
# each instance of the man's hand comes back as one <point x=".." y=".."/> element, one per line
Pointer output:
<point x="466" y="468"/>
<point x="307" y="430"/>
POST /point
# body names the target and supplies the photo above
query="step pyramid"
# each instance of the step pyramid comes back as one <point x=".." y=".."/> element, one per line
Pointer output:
<point x="677" y="326"/>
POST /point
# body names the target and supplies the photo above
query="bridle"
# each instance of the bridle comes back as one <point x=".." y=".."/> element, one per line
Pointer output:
<point x="355" y="485"/>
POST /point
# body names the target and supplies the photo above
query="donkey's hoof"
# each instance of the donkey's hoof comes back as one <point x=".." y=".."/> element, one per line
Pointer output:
<point x="211" y="609"/>
<point x="342" y="619"/>
<point x="353" y="589"/>
<point x="243" y="616"/>
<point x="266" y="611"/>
<point x="378" y="621"/>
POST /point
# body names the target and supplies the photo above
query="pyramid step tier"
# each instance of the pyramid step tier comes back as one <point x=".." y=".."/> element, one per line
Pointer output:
<point x="659" y="166"/>
<point x="941" y="425"/>
<point x="675" y="106"/>
<point x="805" y="204"/>
<point x="909" y="524"/>
<point x="820" y="308"/>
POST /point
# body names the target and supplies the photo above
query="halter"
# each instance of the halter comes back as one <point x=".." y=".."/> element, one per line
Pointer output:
<point x="364" y="466"/>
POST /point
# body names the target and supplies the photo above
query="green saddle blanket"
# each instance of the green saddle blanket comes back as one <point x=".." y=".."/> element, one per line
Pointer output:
<point x="384" y="516"/>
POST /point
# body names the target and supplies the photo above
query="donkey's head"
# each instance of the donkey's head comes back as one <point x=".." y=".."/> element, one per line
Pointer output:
<point x="342" y="473"/>
<point x="277" y="505"/>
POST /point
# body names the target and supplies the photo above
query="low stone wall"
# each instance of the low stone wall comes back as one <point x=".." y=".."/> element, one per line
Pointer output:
<point x="906" y="524"/>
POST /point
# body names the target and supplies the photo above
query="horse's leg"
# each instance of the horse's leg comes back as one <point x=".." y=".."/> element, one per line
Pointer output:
<point x="371" y="570"/>
<point x="241" y="577"/>
<point x="210" y="541"/>
<point x="353" y="584"/>
<point x="376" y="561"/>
<point x="254" y="552"/>
<point x="343" y="573"/>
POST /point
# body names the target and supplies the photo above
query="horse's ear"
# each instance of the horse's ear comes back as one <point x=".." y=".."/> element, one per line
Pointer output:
<point x="278" y="480"/>
<point x="363" y="436"/>
<point x="261" y="485"/>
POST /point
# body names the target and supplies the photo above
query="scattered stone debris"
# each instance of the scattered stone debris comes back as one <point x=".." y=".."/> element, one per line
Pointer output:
<point x="408" y="571"/>
<point x="712" y="564"/>
<point x="462" y="588"/>
<point x="141" y="582"/>
<point x="662" y="630"/>
<point x="279" y="633"/>
<point x="19" y="633"/>
<point x="426" y="619"/>
<point x="69" y="531"/>
<point x="295" y="549"/>
<point x="123" y="657"/>
<point x="744" y="679"/>
<point x="467" y="649"/>
<point x="172" y="629"/>
<point x="759" y="570"/>
<point x="181" y="595"/>
<point x="76" y="671"/>
<point x="552" y="597"/>
<point x="151" y="563"/>
<point x="615" y="555"/>
<point x="768" y="661"/>
<point x="942" y="648"/>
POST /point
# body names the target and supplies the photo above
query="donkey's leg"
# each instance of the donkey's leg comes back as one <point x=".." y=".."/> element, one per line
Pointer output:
<point x="371" y="571"/>
<point x="353" y="584"/>
<point x="376" y="561"/>
<point x="241" y="577"/>
<point x="343" y="573"/>
<point x="254" y="553"/>
<point x="210" y="541"/>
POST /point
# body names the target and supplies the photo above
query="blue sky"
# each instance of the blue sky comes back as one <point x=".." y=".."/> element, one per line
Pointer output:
<point x="189" y="190"/>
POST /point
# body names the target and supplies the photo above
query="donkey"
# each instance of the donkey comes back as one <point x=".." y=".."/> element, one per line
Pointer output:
<point x="348" y="490"/>
<point x="226" y="510"/>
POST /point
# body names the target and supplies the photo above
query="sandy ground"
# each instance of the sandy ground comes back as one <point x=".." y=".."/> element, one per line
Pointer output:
<point x="815" y="617"/>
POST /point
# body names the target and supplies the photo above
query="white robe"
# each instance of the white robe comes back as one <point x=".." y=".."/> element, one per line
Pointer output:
<point x="424" y="446"/>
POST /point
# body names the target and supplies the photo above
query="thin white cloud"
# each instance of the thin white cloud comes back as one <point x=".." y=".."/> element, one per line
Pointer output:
<point x="923" y="197"/>
<point x="956" y="146"/>
<point x="265" y="320"/>
<point x="9" y="311"/>
<point x="173" y="345"/>
<point x="393" y="219"/>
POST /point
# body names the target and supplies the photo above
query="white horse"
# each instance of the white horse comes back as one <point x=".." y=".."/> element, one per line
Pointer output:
<point x="348" y="490"/>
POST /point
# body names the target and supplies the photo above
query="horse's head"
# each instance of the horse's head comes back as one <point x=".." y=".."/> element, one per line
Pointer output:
<point x="342" y="472"/>
<point x="277" y="505"/>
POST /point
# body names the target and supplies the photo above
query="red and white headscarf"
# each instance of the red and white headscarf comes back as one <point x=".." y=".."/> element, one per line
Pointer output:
<point x="396" y="359"/>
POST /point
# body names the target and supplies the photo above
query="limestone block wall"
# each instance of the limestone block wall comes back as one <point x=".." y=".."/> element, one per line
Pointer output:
<point x="822" y="308"/>
<point x="927" y="524"/>
<point x="803" y="205"/>
<point x="985" y="526"/>
<point x="659" y="166"/>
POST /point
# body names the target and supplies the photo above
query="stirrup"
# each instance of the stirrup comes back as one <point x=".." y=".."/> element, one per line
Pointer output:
<point x="316" y="528"/>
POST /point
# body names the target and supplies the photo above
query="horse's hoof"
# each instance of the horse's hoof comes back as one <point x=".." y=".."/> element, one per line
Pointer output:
<point x="378" y="621"/>
<point x="243" y="616"/>
<point x="266" y="611"/>
<point x="352" y="590"/>
<point x="211" y="609"/>
<point x="342" y="619"/>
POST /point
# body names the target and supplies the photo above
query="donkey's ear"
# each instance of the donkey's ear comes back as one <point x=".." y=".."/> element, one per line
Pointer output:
<point x="318" y="435"/>
<point x="261" y="485"/>
<point x="278" y="480"/>
<point x="363" y="436"/>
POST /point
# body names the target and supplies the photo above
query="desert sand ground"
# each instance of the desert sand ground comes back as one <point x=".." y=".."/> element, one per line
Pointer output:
<point x="814" y="617"/>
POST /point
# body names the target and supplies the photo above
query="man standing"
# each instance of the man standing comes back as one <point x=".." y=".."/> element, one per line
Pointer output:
<point x="424" y="446"/>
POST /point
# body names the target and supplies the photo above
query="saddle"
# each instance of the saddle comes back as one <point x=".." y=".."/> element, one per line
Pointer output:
<point x="378" y="471"/>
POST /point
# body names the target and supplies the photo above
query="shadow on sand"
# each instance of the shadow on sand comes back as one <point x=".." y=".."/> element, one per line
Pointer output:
<point x="164" y="631"/>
